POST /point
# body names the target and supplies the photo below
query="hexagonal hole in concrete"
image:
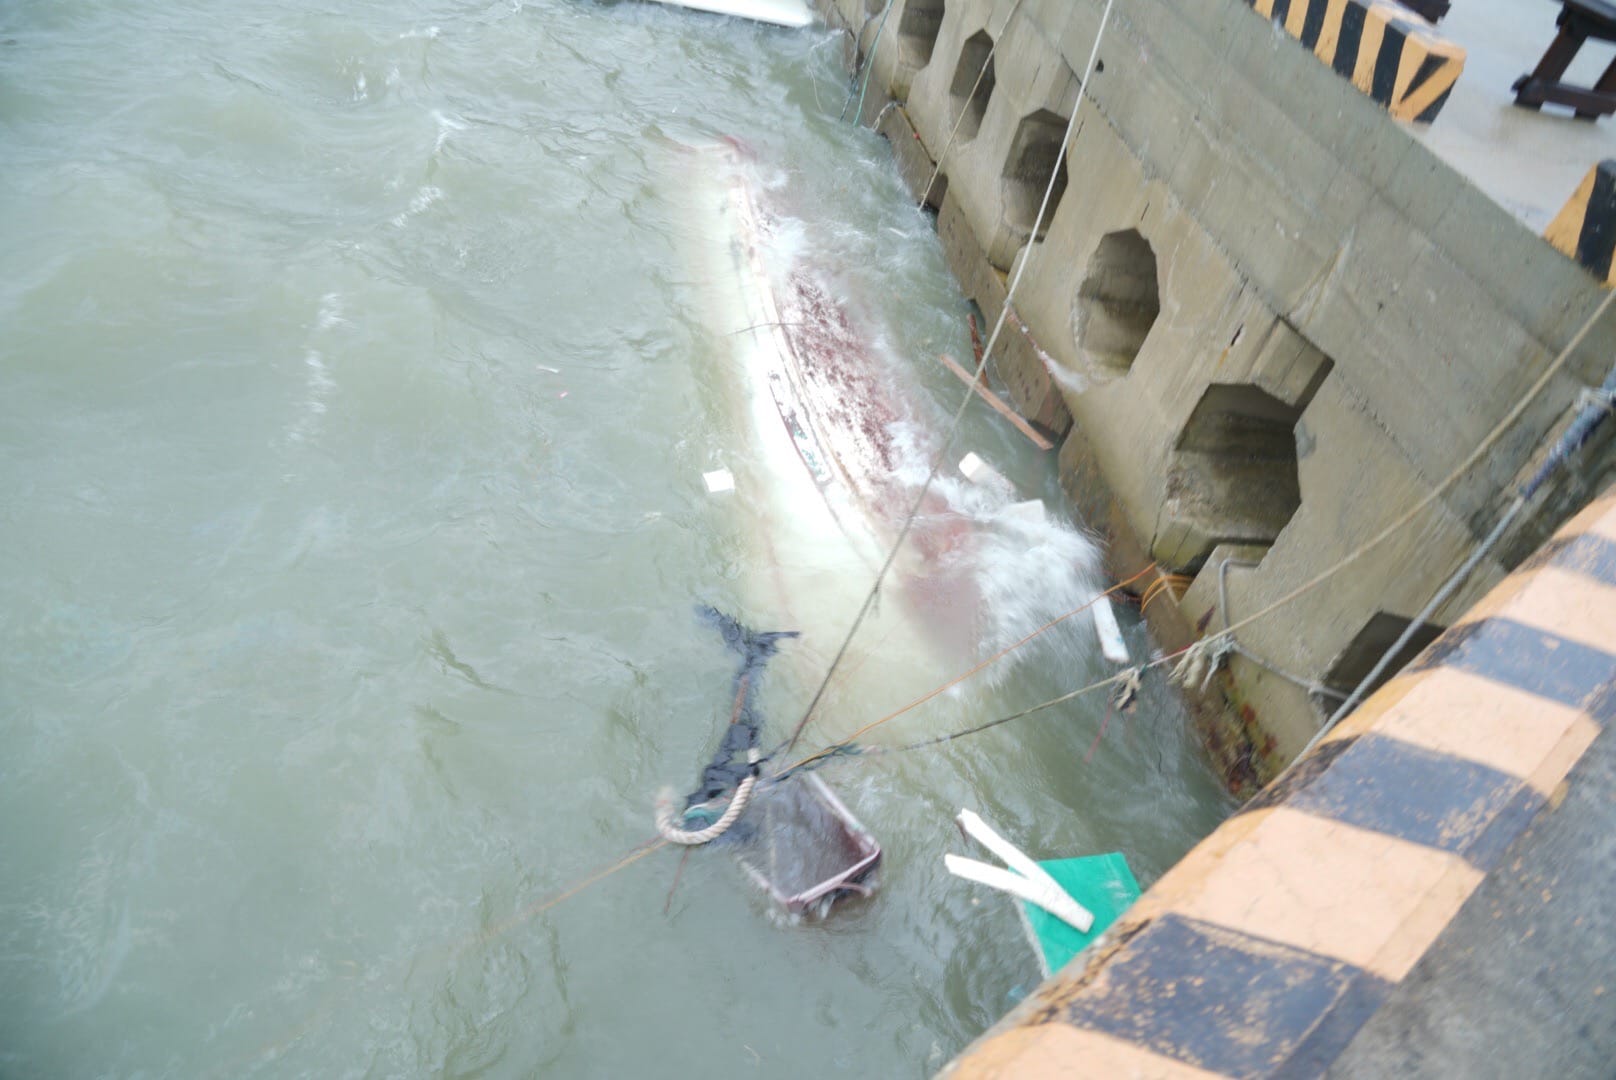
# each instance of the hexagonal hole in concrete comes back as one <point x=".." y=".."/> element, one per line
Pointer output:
<point x="975" y="69"/>
<point x="1034" y="153"/>
<point x="1233" y="477"/>
<point x="918" y="27"/>
<point x="1118" y="301"/>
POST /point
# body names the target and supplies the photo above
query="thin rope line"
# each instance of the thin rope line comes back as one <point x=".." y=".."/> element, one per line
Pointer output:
<point x="634" y="856"/>
<point x="980" y="75"/>
<point x="970" y="393"/>
<point x="1050" y="704"/>
<point x="1001" y="654"/>
<point x="869" y="62"/>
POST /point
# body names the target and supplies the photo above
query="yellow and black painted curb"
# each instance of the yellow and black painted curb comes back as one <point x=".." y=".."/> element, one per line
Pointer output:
<point x="1267" y="948"/>
<point x="1585" y="228"/>
<point x="1384" y="49"/>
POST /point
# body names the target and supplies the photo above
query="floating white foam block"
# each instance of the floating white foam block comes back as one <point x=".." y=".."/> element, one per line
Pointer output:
<point x="718" y="481"/>
<point x="1112" y="647"/>
<point x="982" y="474"/>
<point x="793" y="13"/>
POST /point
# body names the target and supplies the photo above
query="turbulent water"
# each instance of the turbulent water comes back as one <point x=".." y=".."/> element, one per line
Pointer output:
<point x="355" y="392"/>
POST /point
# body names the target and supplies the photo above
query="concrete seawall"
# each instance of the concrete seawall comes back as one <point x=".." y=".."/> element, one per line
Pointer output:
<point x="1266" y="319"/>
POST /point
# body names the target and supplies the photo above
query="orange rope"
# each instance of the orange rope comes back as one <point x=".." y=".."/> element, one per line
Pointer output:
<point x="542" y="906"/>
<point x="1164" y="584"/>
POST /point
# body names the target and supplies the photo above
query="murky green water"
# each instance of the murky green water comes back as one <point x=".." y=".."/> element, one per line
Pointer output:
<point x="354" y="397"/>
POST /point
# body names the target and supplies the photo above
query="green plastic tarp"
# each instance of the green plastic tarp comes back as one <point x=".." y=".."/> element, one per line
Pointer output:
<point x="1101" y="883"/>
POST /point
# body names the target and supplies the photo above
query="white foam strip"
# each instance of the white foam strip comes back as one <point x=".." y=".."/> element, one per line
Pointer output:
<point x="1112" y="646"/>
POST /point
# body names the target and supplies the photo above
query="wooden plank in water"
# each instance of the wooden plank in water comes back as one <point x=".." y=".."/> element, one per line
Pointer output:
<point x="997" y="403"/>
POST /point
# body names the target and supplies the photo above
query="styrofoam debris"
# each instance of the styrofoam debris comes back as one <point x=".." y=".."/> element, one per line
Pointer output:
<point x="982" y="474"/>
<point x="718" y="481"/>
<point x="1112" y="647"/>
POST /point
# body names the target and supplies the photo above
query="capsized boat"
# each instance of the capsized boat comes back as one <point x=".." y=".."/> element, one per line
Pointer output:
<point x="839" y="439"/>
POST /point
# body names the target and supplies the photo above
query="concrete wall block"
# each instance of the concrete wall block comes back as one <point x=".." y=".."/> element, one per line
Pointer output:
<point x="1269" y="237"/>
<point x="1204" y="301"/>
<point x="1033" y="72"/>
<point x="1421" y="186"/>
<point x="851" y="12"/>
<point x="933" y="113"/>
<point x="978" y="280"/>
<point x="1200" y="602"/>
<point x="1216" y="499"/>
<point x="1304" y="246"/>
<point x="1106" y="191"/>
<point x="914" y="165"/>
<point x="909" y="44"/>
<point x="889" y="76"/>
<point x="1200" y="162"/>
<point x="1153" y="124"/>
<point x="1416" y="337"/>
<point x="1289" y="366"/>
<point x="1353" y="482"/>
<point x="1073" y="30"/>
<point x="998" y="199"/>
<point x="1529" y="280"/>
<point x="1167" y="45"/>
<point x="1214" y="22"/>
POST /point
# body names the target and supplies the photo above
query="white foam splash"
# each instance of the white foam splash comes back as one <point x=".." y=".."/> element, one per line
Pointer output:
<point x="330" y="311"/>
<point x="423" y="199"/>
<point x="1028" y="568"/>
<point x="318" y="383"/>
<point x="1067" y="379"/>
<point x="446" y="124"/>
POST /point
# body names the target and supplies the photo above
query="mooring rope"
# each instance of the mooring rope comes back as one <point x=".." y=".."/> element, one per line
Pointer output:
<point x="667" y="809"/>
<point x="848" y="744"/>
<point x="970" y="392"/>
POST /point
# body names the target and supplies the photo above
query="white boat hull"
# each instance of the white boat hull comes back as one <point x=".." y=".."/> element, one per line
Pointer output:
<point x="792" y="13"/>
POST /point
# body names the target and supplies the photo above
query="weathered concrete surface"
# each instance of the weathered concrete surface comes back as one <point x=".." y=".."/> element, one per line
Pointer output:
<point x="1528" y="162"/>
<point x="1427" y="893"/>
<point x="1523" y="981"/>
<point x="1276" y="319"/>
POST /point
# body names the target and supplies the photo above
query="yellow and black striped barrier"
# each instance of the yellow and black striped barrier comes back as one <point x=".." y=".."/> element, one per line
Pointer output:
<point x="1383" y="48"/>
<point x="1585" y="228"/>
<point x="1270" y="945"/>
